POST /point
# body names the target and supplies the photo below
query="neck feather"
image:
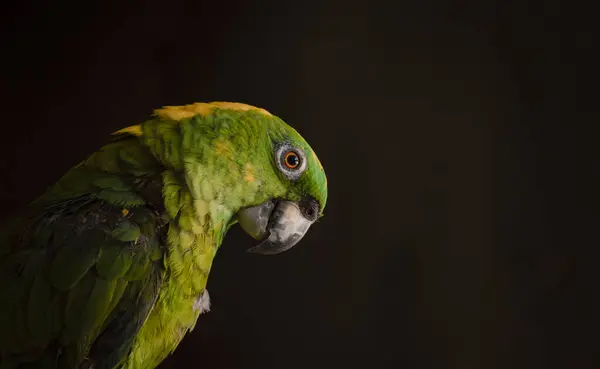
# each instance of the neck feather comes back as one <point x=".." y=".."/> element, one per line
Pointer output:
<point x="196" y="229"/>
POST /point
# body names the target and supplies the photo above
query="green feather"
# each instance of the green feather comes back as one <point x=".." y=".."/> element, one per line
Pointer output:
<point x="13" y="294"/>
<point x="139" y="267"/>
<point x="43" y="236"/>
<point x="120" y="285"/>
<point x="154" y="249"/>
<point x="56" y="315"/>
<point x="114" y="261"/>
<point x="172" y="195"/>
<point x="126" y="231"/>
<point x="40" y="311"/>
<point x="35" y="262"/>
<point x="71" y="263"/>
<point x="96" y="307"/>
<point x="111" y="183"/>
<point x="106" y="159"/>
<point x="121" y="198"/>
<point x="134" y="156"/>
<point x="76" y="301"/>
<point x="46" y="361"/>
<point x="20" y="327"/>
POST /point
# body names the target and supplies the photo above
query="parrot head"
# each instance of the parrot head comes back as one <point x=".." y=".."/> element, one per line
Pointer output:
<point x="285" y="215"/>
<point x="243" y="165"/>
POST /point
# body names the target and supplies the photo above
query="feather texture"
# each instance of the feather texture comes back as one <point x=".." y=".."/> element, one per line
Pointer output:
<point x="108" y="268"/>
<point x="64" y="289"/>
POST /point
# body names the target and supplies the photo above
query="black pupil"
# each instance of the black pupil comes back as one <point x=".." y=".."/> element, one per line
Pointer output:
<point x="292" y="160"/>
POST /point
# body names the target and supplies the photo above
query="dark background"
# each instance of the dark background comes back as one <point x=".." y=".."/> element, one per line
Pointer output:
<point x="449" y="134"/>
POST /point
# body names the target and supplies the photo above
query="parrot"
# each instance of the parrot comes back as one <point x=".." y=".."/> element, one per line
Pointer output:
<point x="107" y="269"/>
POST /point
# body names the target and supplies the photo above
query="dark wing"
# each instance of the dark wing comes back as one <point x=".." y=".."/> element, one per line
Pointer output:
<point x="77" y="282"/>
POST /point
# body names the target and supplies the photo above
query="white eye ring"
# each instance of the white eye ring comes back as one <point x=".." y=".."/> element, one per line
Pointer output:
<point x="290" y="160"/>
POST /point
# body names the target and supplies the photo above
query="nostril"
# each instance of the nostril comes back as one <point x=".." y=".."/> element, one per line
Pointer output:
<point x="309" y="209"/>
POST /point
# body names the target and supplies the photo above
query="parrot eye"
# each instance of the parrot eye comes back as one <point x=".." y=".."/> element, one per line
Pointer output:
<point x="290" y="161"/>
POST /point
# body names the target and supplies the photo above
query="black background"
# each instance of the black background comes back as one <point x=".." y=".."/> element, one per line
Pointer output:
<point x="448" y="133"/>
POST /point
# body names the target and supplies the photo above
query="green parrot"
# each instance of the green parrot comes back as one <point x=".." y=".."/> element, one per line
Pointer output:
<point x="108" y="268"/>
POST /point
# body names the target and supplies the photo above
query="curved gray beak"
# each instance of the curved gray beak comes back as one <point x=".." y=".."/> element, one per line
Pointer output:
<point x="279" y="224"/>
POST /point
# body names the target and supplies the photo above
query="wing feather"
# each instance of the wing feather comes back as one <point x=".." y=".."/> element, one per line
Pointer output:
<point x="78" y="282"/>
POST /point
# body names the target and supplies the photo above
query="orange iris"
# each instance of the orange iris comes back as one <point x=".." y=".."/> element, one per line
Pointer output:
<point x="291" y="160"/>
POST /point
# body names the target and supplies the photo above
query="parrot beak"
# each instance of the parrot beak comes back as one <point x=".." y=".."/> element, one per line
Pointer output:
<point x="279" y="224"/>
